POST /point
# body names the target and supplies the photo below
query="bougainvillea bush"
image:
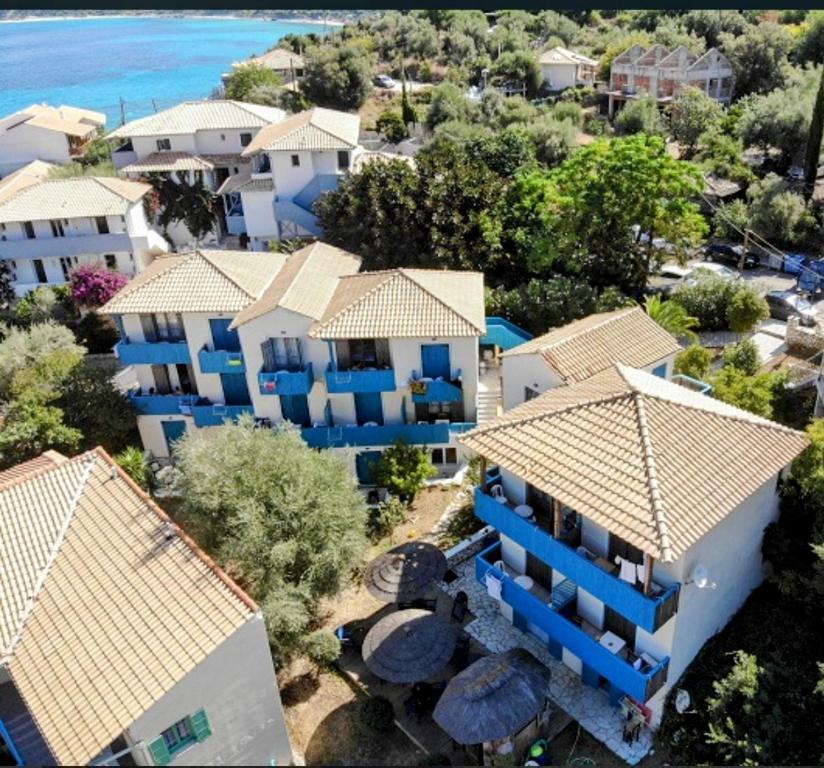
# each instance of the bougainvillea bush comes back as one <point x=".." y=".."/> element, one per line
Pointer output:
<point x="92" y="285"/>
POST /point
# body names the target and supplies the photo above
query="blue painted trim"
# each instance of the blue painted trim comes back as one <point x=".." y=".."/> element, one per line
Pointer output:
<point x="382" y="380"/>
<point x="216" y="414"/>
<point x="646" y="612"/>
<point x="639" y="685"/>
<point x="153" y="353"/>
<point x="416" y="434"/>
<point x="163" y="405"/>
<point x="437" y="391"/>
<point x="220" y="361"/>
<point x="287" y="382"/>
<point x="694" y="384"/>
<point x="6" y="736"/>
<point x="504" y="334"/>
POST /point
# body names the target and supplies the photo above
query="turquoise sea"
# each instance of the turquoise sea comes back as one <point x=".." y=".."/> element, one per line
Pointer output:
<point x="94" y="63"/>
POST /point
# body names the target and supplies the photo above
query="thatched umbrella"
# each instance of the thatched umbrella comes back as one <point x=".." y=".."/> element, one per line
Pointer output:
<point x="493" y="698"/>
<point x="409" y="646"/>
<point x="405" y="572"/>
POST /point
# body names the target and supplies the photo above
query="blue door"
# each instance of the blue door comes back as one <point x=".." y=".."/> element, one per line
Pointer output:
<point x="660" y="371"/>
<point x="235" y="390"/>
<point x="172" y="431"/>
<point x="435" y="361"/>
<point x="222" y="337"/>
<point x="368" y="407"/>
<point x="295" y="408"/>
<point x="364" y="466"/>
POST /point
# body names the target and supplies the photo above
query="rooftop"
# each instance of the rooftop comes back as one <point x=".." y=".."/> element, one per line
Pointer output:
<point x="71" y="121"/>
<point x="205" y="115"/>
<point x="559" y="55"/>
<point x="314" y="129"/>
<point x="651" y="461"/>
<point x="585" y="347"/>
<point x="88" y="560"/>
<point x="277" y="58"/>
<point x="30" y="174"/>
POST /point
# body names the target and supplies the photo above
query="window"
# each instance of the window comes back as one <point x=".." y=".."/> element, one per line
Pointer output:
<point x="660" y="371"/>
<point x="343" y="160"/>
<point x="295" y="161"/>
<point x="57" y="228"/>
<point x="102" y="225"/>
<point x="451" y="455"/>
<point x="164" y="145"/>
<point x="111" y="260"/>
<point x="444" y="456"/>
<point x="66" y="265"/>
<point x="162" y="327"/>
<point x="190" y="730"/>
<point x="40" y="271"/>
<point x="530" y="394"/>
<point x="223" y="137"/>
<point x="178" y="736"/>
<point x="28" y="228"/>
<point x="362" y="351"/>
<point x="245" y="140"/>
<point x="437" y="455"/>
<point x="280" y="354"/>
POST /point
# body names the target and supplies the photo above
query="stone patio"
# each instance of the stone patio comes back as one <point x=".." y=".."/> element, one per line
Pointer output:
<point x="588" y="706"/>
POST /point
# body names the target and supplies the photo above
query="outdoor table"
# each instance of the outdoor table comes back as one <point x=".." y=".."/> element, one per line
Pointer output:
<point x="524" y="511"/>
<point x="612" y="642"/>
<point x="524" y="581"/>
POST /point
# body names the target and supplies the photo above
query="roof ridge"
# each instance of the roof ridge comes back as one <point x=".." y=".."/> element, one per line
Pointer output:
<point x="89" y="458"/>
<point x="216" y="267"/>
<point x="360" y="299"/>
<point x="437" y="298"/>
<point x="648" y="455"/>
<point x="129" y="288"/>
<point x="614" y="315"/>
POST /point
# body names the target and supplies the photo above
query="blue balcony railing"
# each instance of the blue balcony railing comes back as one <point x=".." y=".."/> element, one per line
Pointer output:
<point x="375" y="380"/>
<point x="286" y="382"/>
<point x="215" y="414"/>
<point x="163" y="405"/>
<point x="153" y="353"/>
<point x="640" y="684"/>
<point x="416" y="434"/>
<point x="648" y="612"/>
<point x="436" y="390"/>
<point x="220" y="361"/>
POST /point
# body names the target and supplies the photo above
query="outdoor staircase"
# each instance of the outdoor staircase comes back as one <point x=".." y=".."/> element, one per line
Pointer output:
<point x="488" y="405"/>
<point x="28" y="741"/>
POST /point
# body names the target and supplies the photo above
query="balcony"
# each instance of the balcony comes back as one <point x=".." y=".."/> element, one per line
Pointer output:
<point x="647" y="611"/>
<point x="214" y="414"/>
<point x="368" y="380"/>
<point x="641" y="684"/>
<point x="355" y="436"/>
<point x="163" y="405"/>
<point x="220" y="361"/>
<point x="70" y="245"/>
<point x="153" y="353"/>
<point x="286" y="382"/>
<point x="426" y="390"/>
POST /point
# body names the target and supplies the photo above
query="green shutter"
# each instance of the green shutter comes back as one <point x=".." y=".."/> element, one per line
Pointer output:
<point x="160" y="753"/>
<point x="199" y="724"/>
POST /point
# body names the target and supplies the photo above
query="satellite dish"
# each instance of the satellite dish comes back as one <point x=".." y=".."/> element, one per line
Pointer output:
<point x="682" y="701"/>
<point x="699" y="576"/>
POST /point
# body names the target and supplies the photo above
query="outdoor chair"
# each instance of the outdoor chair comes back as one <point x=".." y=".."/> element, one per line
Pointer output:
<point x="460" y="656"/>
<point x="460" y="607"/>
<point x="422" y="603"/>
<point x="349" y="637"/>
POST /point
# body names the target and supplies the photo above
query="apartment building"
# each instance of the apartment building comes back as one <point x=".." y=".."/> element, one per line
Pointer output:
<point x="50" y="226"/>
<point x="52" y="134"/>
<point x="583" y="348"/>
<point x="356" y="360"/>
<point x="662" y="74"/>
<point x="121" y="642"/>
<point x="630" y="512"/>
<point x="562" y="68"/>
<point x="193" y="141"/>
<point x="293" y="163"/>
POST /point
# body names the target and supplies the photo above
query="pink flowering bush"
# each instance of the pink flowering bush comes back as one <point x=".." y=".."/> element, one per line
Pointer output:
<point x="92" y="285"/>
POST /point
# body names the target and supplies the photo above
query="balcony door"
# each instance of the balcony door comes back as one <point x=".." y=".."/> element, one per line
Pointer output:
<point x="163" y="385"/>
<point x="222" y="337"/>
<point x="435" y="361"/>
<point x="368" y="407"/>
<point x="282" y="354"/>
<point x="235" y="389"/>
<point x="295" y="408"/>
<point x="173" y="431"/>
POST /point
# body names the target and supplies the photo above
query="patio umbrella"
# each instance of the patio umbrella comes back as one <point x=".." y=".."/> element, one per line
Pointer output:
<point x="405" y="572"/>
<point x="408" y="646"/>
<point x="493" y="698"/>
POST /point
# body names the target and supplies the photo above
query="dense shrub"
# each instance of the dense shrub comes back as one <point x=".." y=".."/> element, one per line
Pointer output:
<point x="378" y="713"/>
<point x="93" y="285"/>
<point x="384" y="518"/>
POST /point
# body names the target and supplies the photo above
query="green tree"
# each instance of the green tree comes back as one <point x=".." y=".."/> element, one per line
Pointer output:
<point x="132" y="461"/>
<point x="518" y="67"/>
<point x="30" y="426"/>
<point x="743" y="356"/>
<point x="339" y="77"/>
<point x="721" y="154"/>
<point x="746" y="309"/>
<point x="554" y="139"/>
<point x="245" y="80"/>
<point x="322" y="648"/>
<point x="778" y="213"/>
<point x="758" y="57"/>
<point x="693" y="114"/>
<point x="391" y="126"/>
<point x="403" y="469"/>
<point x="672" y="317"/>
<point x="694" y="361"/>
<point x="810" y="46"/>
<point x="712" y="24"/>
<point x="447" y="103"/>
<point x="46" y="303"/>
<point x="752" y="393"/>
<point x="730" y="220"/>
<point x="287" y="521"/>
<point x="642" y="116"/>
<point x="707" y="299"/>
<point x="813" y="149"/>
<point x="192" y="204"/>
<point x="6" y="289"/>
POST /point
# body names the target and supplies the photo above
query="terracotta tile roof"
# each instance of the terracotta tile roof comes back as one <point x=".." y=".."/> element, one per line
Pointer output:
<point x="95" y="565"/>
<point x="199" y="281"/>
<point x="205" y="115"/>
<point x="560" y="55"/>
<point x="72" y="197"/>
<point x="651" y="461"/>
<point x="401" y="303"/>
<point x="278" y="58"/>
<point x="314" y="129"/>
<point x="27" y="176"/>
<point x="168" y="161"/>
<point x="43" y="461"/>
<point x="71" y="121"/>
<point x="584" y="347"/>
<point x="305" y="284"/>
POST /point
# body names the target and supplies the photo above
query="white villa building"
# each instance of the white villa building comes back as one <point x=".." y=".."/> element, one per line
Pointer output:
<point x="195" y="140"/>
<point x="288" y="65"/>
<point x="662" y="74"/>
<point x="50" y="226"/>
<point x="293" y="163"/>
<point x="582" y="348"/>
<point x="41" y="132"/>
<point x="120" y="640"/>
<point x="562" y="68"/>
<point x="630" y="512"/>
<point x="355" y="360"/>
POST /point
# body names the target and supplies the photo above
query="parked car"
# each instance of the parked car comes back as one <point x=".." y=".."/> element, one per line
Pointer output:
<point x="786" y="304"/>
<point x="384" y="81"/>
<point x="714" y="269"/>
<point x="730" y="254"/>
<point x="667" y="278"/>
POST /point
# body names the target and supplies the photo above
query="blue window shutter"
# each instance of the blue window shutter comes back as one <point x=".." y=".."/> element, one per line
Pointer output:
<point x="199" y="723"/>
<point x="160" y="752"/>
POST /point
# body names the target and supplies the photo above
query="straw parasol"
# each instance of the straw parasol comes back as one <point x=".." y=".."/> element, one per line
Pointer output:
<point x="493" y="698"/>
<point x="405" y="572"/>
<point x="409" y="646"/>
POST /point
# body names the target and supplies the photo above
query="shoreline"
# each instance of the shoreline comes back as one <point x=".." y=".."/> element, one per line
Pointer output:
<point x="207" y="17"/>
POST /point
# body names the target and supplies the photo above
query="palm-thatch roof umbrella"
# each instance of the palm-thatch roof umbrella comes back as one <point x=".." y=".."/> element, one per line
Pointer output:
<point x="405" y="572"/>
<point x="493" y="698"/>
<point x="409" y="646"/>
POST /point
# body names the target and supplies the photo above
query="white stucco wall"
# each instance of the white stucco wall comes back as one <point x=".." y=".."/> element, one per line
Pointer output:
<point x="151" y="432"/>
<point x="559" y="75"/>
<point x="259" y="218"/>
<point x="236" y="686"/>
<point x="25" y="143"/>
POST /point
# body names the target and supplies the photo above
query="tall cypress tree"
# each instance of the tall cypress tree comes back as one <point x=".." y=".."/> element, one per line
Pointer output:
<point x="814" y="141"/>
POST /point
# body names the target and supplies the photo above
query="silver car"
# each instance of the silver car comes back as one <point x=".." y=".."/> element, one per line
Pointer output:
<point x="786" y="304"/>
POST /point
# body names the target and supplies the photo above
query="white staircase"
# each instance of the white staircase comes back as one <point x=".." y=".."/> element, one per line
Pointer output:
<point x="488" y="405"/>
